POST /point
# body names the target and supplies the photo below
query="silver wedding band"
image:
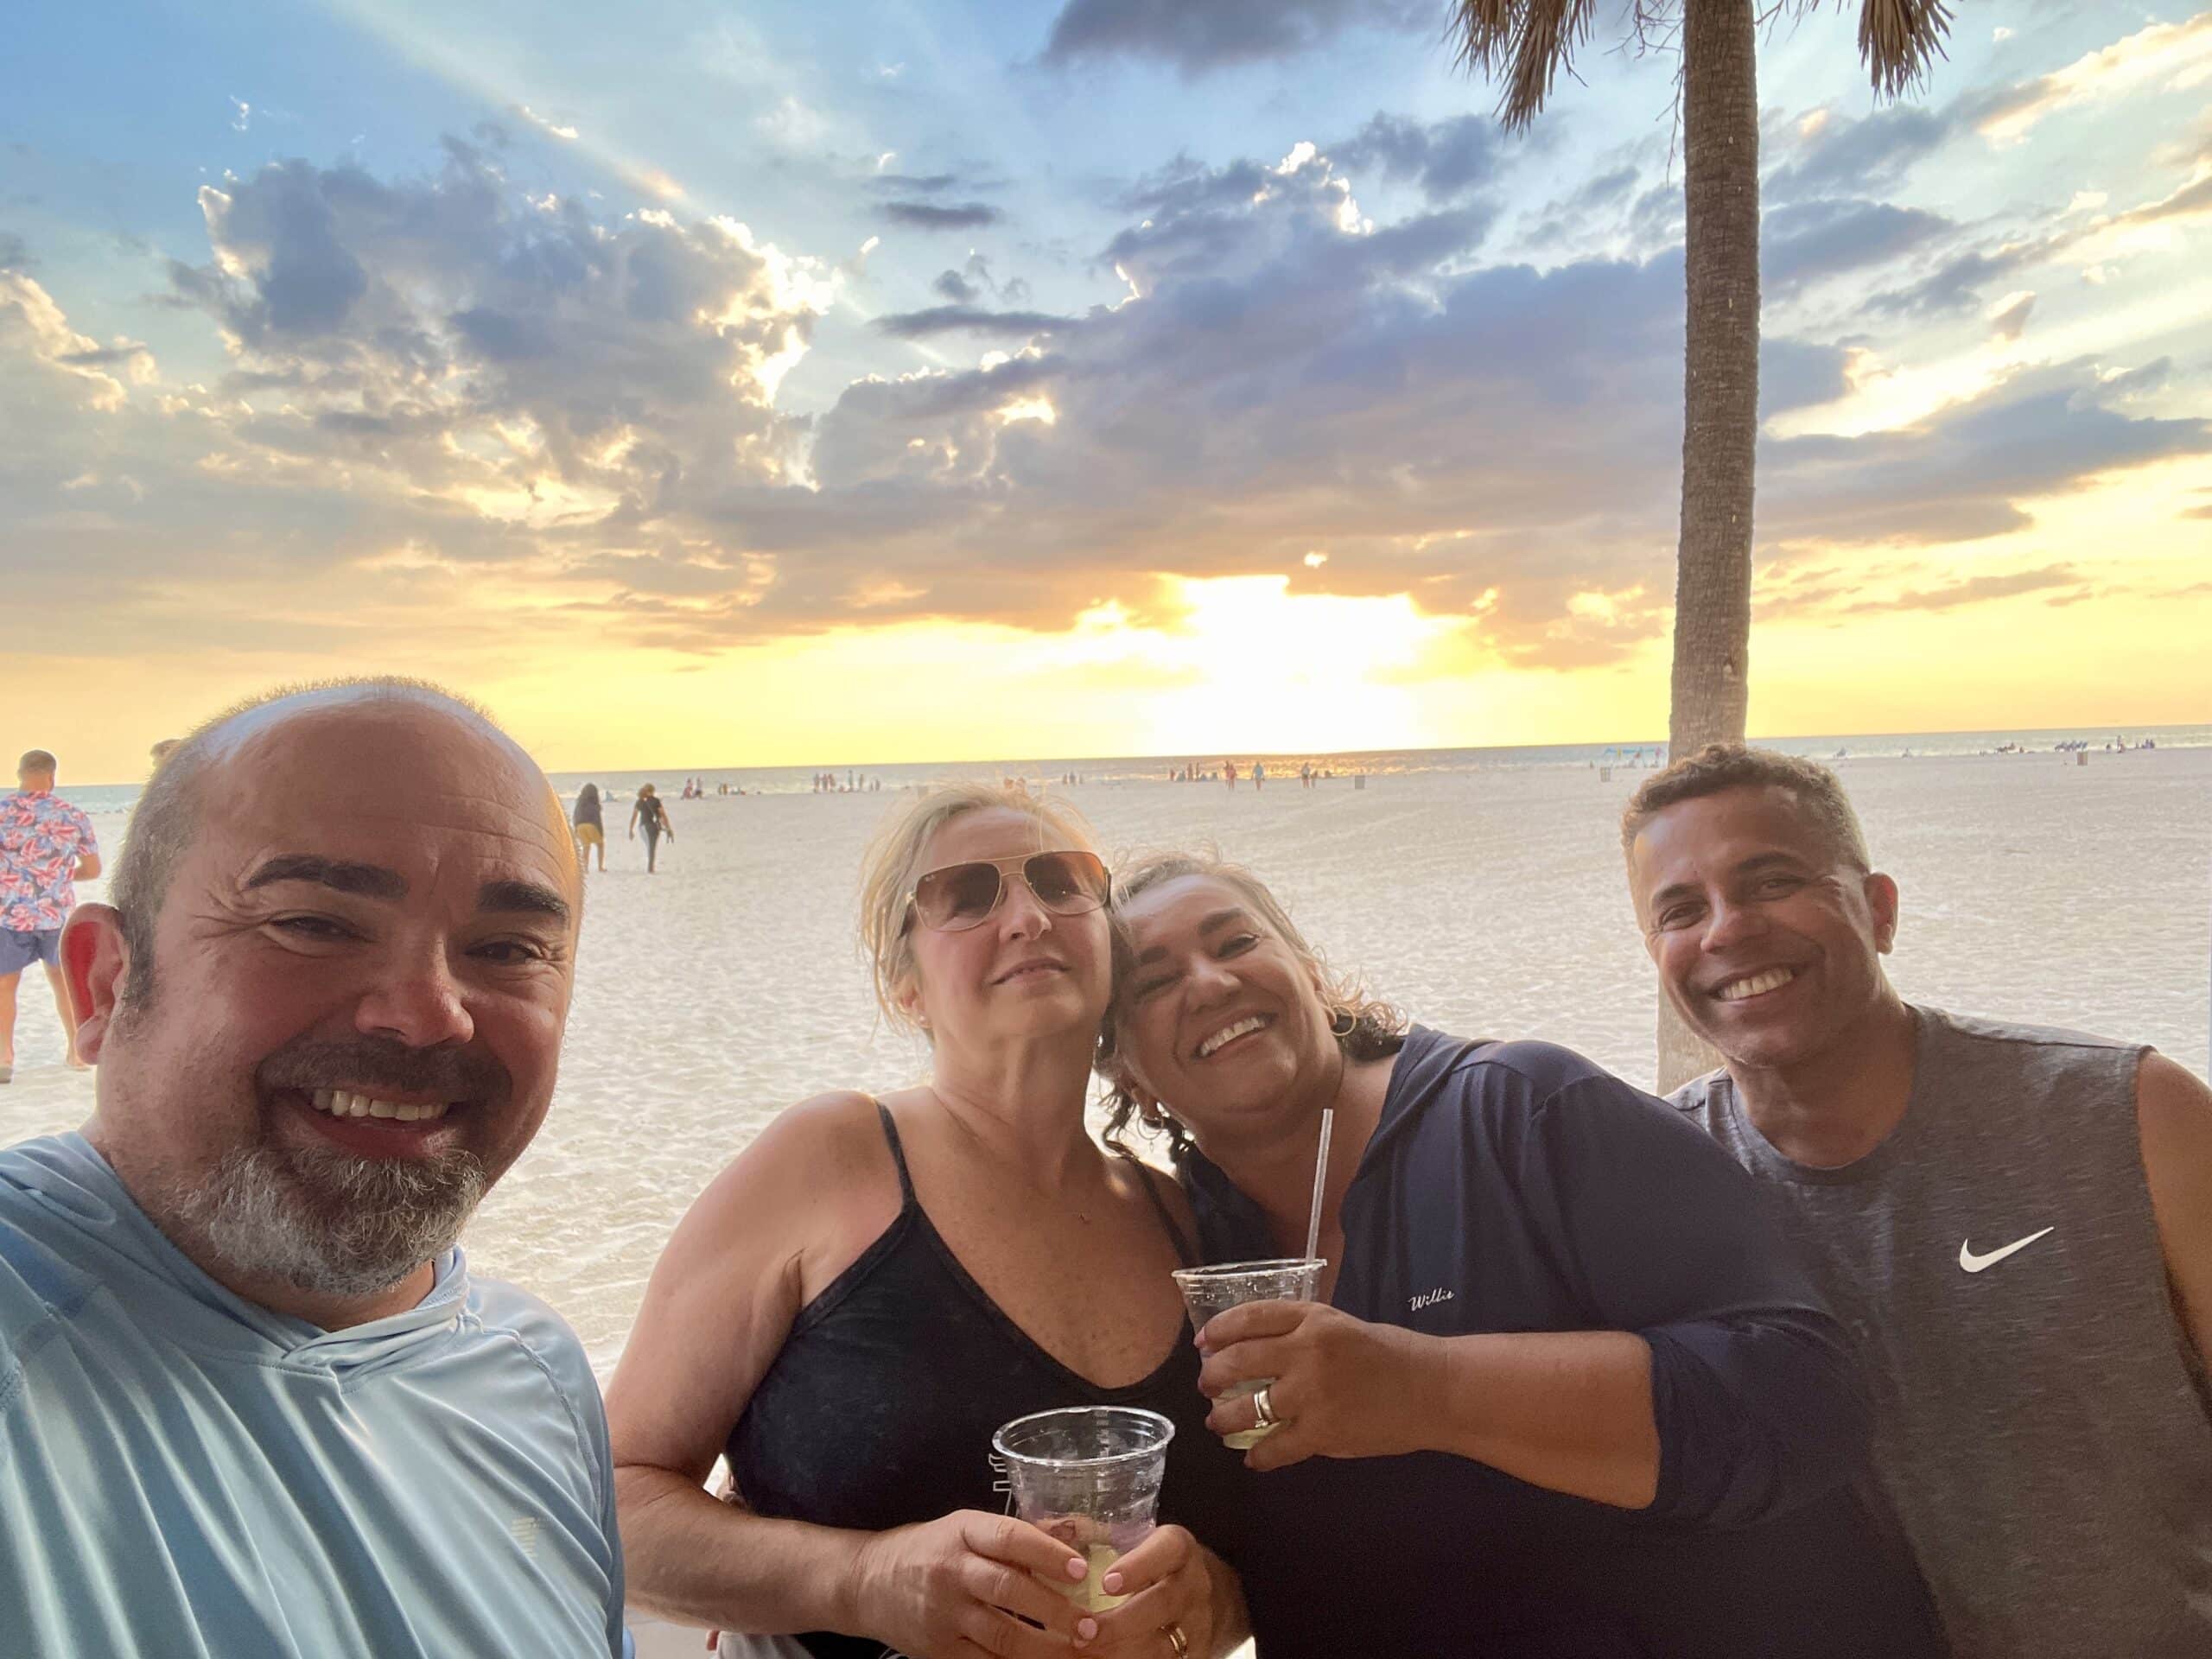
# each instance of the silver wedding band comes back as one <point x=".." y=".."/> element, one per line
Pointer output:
<point x="1264" y="1408"/>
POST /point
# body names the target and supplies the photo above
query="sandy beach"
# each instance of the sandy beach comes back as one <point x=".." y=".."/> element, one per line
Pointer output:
<point x="726" y="986"/>
<point x="713" y="994"/>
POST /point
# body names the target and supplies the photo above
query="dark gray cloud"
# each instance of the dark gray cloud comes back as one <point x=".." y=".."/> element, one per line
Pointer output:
<point x="583" y="404"/>
<point x="120" y="356"/>
<point x="15" y="252"/>
<point x="974" y="280"/>
<point x="411" y="321"/>
<point x="971" y="320"/>
<point x="2134" y="383"/>
<point x="1799" y="374"/>
<point x="1655" y="218"/>
<point x="1198" y="36"/>
<point x="2191" y="198"/>
<point x="1966" y="474"/>
<point x="920" y="185"/>
<point x="1958" y="284"/>
<point x="1185" y="185"/>
<point x="1448" y="159"/>
<point x="929" y="216"/>
<point x="1853" y="156"/>
<point x="1600" y="210"/>
<point x="2011" y="322"/>
<point x="1807" y="241"/>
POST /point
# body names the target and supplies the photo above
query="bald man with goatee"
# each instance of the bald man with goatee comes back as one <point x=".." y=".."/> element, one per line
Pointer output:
<point x="251" y="1400"/>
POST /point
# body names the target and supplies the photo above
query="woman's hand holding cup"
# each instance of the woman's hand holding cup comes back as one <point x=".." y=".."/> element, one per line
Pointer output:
<point x="1337" y="1386"/>
<point x="1170" y="1584"/>
<point x="960" y="1587"/>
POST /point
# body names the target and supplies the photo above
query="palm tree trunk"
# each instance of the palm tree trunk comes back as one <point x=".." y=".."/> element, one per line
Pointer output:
<point x="1712" y="570"/>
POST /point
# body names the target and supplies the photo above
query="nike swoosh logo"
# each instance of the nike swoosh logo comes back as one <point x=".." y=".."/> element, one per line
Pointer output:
<point x="1973" y="1263"/>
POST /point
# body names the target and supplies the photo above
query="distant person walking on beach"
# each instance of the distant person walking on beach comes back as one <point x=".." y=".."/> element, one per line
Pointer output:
<point x="2015" y="1221"/>
<point x="1259" y="774"/>
<point x="873" y="1287"/>
<point x="590" y="825"/>
<point x="252" y="1401"/>
<point x="650" y="815"/>
<point x="1567" y="1393"/>
<point x="1229" y="770"/>
<point x="47" y="846"/>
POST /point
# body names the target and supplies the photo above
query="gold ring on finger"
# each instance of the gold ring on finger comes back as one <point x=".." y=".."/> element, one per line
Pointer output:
<point x="1177" y="1640"/>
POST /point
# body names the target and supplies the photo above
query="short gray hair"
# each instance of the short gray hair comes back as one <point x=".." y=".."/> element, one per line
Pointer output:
<point x="166" y="820"/>
<point x="1717" y="767"/>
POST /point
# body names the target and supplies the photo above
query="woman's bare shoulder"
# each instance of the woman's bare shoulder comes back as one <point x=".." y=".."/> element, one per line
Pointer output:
<point x="818" y="1177"/>
<point x="820" y="1142"/>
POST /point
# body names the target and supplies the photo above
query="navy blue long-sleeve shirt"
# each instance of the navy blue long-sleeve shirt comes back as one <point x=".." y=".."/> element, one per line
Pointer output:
<point x="1517" y="1188"/>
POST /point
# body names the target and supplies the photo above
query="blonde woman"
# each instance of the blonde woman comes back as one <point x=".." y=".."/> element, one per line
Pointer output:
<point x="873" y="1286"/>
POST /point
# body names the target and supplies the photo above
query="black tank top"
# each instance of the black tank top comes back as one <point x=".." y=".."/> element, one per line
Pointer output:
<point x="878" y="1410"/>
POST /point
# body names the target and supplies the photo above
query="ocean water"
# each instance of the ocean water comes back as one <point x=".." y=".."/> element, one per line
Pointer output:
<point x="1627" y="755"/>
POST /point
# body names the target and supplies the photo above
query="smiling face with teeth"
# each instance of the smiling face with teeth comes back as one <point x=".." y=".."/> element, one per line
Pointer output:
<point x="1767" y="937"/>
<point x="362" y="966"/>
<point x="1217" y="1018"/>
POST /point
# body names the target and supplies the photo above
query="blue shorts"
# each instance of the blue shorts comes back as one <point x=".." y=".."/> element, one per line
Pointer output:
<point x="19" y="948"/>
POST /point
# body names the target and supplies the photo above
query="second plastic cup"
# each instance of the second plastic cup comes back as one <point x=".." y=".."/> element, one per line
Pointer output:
<point x="1090" y="1476"/>
<point x="1209" y="1291"/>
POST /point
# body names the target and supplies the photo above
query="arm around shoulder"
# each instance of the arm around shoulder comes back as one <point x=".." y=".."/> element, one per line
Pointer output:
<point x="2173" y="1114"/>
<point x="1754" y="1391"/>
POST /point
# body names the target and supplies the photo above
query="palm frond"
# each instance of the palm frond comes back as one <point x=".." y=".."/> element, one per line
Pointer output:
<point x="1531" y="40"/>
<point x="1900" y="40"/>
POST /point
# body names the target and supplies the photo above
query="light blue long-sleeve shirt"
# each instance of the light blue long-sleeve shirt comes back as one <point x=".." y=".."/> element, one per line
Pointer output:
<point x="183" y="1473"/>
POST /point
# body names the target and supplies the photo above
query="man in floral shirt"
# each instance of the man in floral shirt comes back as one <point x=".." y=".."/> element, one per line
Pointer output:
<point x="47" y="846"/>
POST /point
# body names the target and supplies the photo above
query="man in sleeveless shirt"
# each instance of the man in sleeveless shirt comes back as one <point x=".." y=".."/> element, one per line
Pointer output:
<point x="2016" y="1222"/>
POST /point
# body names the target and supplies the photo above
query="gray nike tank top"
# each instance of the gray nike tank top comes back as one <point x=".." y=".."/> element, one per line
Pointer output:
<point x="2041" y="1428"/>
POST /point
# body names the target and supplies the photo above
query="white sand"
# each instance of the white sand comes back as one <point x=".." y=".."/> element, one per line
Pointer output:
<point x="726" y="986"/>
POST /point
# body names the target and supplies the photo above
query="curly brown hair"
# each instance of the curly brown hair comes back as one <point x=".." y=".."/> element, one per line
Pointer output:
<point x="1366" y="1027"/>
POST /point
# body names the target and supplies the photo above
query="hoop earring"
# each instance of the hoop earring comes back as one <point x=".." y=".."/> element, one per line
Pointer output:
<point x="1341" y="1023"/>
<point x="1154" y="1117"/>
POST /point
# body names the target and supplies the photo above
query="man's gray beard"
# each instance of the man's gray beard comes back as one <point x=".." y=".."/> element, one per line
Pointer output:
<point x="330" y="1223"/>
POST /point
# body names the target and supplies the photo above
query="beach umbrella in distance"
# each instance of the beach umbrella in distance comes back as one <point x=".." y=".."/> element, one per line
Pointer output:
<point x="1526" y="43"/>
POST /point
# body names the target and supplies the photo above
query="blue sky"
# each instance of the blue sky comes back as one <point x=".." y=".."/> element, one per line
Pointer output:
<point x="351" y="333"/>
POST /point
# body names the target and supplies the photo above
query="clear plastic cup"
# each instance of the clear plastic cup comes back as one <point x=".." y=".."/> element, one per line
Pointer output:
<point x="1209" y="1291"/>
<point x="1090" y="1476"/>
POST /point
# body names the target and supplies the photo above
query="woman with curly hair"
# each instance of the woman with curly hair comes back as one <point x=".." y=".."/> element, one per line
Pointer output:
<point x="1564" y="1392"/>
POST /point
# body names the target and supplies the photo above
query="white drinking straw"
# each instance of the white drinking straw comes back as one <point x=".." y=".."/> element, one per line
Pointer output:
<point x="1321" y="1179"/>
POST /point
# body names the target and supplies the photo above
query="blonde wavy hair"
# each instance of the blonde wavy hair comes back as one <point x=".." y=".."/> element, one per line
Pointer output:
<point x="893" y="863"/>
<point x="1365" y="1026"/>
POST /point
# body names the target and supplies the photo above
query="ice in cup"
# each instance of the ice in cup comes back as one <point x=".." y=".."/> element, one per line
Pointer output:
<point x="1090" y="1476"/>
<point x="1209" y="1291"/>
